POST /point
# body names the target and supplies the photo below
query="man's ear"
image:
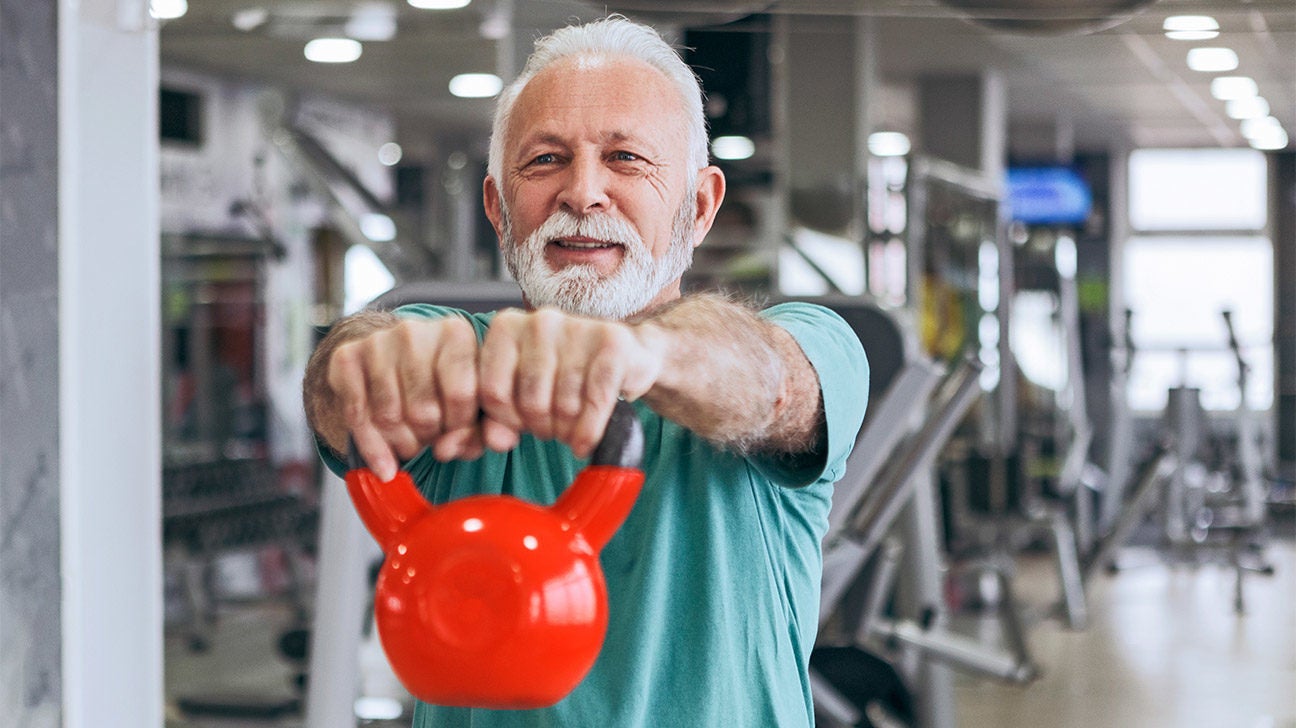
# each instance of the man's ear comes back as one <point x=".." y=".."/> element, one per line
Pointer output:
<point x="491" y="201"/>
<point x="710" y="193"/>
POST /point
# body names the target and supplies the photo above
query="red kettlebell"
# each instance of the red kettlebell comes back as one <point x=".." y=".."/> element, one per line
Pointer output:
<point x="490" y="601"/>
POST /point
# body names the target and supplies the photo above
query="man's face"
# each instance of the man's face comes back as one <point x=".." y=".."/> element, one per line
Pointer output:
<point x="595" y="209"/>
<point x="582" y="288"/>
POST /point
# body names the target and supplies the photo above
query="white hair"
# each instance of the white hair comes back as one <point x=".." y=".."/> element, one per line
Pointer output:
<point x="611" y="37"/>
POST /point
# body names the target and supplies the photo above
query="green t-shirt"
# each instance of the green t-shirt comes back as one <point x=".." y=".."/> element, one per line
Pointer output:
<point x="713" y="579"/>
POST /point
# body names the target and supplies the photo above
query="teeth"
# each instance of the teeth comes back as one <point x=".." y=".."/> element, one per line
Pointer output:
<point x="583" y="246"/>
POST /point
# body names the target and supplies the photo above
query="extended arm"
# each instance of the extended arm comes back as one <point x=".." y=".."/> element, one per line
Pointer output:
<point x="733" y="377"/>
<point x="711" y="365"/>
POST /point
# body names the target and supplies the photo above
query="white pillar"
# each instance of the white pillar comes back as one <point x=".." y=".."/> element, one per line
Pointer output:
<point x="109" y="331"/>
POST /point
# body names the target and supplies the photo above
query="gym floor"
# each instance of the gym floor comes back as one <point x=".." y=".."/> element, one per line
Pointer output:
<point x="1164" y="649"/>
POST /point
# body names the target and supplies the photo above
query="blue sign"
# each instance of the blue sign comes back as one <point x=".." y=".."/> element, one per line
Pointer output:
<point x="1048" y="196"/>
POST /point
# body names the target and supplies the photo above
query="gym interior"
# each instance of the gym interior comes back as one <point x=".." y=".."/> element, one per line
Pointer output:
<point x="1064" y="232"/>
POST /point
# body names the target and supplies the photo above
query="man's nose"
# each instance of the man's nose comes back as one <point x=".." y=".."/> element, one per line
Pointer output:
<point x="585" y="189"/>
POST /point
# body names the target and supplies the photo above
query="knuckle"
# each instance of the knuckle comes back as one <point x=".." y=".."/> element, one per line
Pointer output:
<point x="493" y="396"/>
<point x="352" y="413"/>
<point x="458" y="392"/>
<point x="508" y="317"/>
<point x="457" y="329"/>
<point x="532" y="405"/>
<point x="567" y="408"/>
<point x="387" y="417"/>
<point x="424" y="416"/>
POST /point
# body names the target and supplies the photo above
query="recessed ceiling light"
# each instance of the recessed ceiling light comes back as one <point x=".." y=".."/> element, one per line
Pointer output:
<point x="168" y="9"/>
<point x="1212" y="60"/>
<point x="888" y="144"/>
<point x="439" y="4"/>
<point x="249" y="19"/>
<point x="475" y="85"/>
<point x="733" y="147"/>
<point x="1190" y="27"/>
<point x="1227" y="88"/>
<point x="1271" y="140"/>
<point x="333" y="50"/>
<point x="1252" y="107"/>
<point x="390" y="153"/>
<point x="1253" y="128"/>
<point x="372" y="21"/>
<point x="1192" y="34"/>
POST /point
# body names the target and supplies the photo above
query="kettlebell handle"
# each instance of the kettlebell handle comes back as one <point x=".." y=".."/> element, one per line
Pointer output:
<point x="621" y="446"/>
<point x="386" y="508"/>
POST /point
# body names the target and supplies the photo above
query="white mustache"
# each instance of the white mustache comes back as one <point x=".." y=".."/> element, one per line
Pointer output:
<point x="604" y="228"/>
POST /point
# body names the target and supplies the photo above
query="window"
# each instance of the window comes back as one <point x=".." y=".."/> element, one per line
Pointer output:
<point x="1200" y="251"/>
<point x="1197" y="189"/>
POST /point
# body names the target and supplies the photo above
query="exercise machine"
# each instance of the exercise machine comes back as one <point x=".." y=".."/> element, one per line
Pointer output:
<point x="885" y="650"/>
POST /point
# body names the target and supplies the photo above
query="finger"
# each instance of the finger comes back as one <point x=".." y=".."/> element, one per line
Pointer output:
<point x="590" y="426"/>
<point x="497" y="370"/>
<point x="498" y="436"/>
<point x="456" y="376"/>
<point x="613" y="351"/>
<point x="584" y="374"/>
<point x="362" y="379"/>
<point x="464" y="443"/>
<point x="376" y="453"/>
<point x="422" y="412"/>
<point x="538" y="344"/>
<point x="345" y="379"/>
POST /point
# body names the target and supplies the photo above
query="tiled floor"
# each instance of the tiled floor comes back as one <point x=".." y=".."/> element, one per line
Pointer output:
<point x="1164" y="649"/>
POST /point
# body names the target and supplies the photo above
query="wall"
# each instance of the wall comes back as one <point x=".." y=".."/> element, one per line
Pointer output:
<point x="30" y="592"/>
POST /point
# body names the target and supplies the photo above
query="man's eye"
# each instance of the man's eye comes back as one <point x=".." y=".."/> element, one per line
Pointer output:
<point x="545" y="159"/>
<point x="625" y="156"/>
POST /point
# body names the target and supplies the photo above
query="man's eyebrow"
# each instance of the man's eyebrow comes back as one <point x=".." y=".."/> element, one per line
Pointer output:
<point x="544" y="138"/>
<point x="617" y="137"/>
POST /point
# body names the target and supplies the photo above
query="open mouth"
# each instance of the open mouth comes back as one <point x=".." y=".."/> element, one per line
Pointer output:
<point x="582" y="244"/>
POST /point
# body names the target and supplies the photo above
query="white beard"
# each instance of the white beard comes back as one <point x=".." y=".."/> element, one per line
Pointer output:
<point x="580" y="289"/>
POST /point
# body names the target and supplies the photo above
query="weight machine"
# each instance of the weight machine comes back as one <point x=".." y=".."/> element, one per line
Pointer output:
<point x="885" y="650"/>
<point x="1216" y="503"/>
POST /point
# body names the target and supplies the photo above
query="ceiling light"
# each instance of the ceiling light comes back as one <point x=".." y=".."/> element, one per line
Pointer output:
<point x="888" y="144"/>
<point x="1253" y="128"/>
<point x="1190" y="27"/>
<point x="1273" y="140"/>
<point x="390" y="153"/>
<point x="249" y="19"/>
<point x="168" y="9"/>
<point x="439" y="4"/>
<point x="733" y="147"/>
<point x="1252" y="107"/>
<point x="333" y="50"/>
<point x="1212" y="60"/>
<point x="475" y="85"/>
<point x="372" y="21"/>
<point x="1227" y="88"/>
<point x="377" y="227"/>
<point x="1192" y="34"/>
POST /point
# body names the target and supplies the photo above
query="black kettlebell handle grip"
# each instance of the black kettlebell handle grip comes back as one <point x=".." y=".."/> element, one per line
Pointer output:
<point x="623" y="439"/>
<point x="622" y="444"/>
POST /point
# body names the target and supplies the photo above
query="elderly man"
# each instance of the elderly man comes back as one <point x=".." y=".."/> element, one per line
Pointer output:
<point x="599" y="189"/>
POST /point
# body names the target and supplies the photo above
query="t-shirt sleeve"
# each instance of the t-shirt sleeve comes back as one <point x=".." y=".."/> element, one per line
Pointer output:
<point x="838" y="359"/>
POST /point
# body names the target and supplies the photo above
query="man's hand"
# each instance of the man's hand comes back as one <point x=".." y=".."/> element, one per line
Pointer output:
<point x="715" y="367"/>
<point x="397" y="385"/>
<point x="404" y="387"/>
<point x="558" y="376"/>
